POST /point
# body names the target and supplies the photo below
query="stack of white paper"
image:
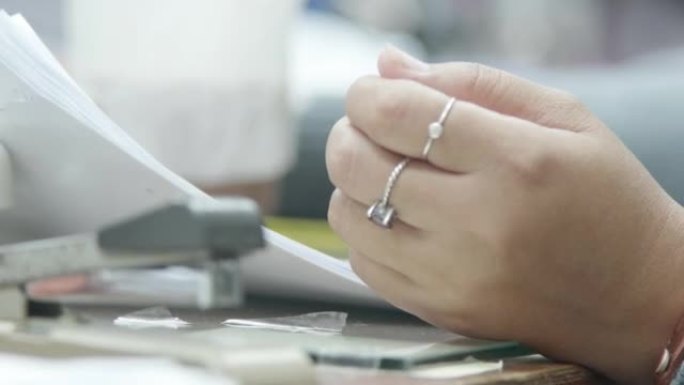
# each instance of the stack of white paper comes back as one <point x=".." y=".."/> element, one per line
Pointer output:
<point x="75" y="171"/>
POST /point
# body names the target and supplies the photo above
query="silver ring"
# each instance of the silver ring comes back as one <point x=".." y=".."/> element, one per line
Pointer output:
<point x="435" y="129"/>
<point x="381" y="212"/>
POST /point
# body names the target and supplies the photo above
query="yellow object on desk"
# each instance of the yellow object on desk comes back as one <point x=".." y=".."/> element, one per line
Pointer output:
<point x="315" y="233"/>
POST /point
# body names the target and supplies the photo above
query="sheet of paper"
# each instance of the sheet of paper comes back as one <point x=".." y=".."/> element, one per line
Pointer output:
<point x="75" y="171"/>
<point x="27" y="370"/>
<point x="321" y="277"/>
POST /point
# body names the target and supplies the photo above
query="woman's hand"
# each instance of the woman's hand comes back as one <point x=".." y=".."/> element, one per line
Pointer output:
<point x="529" y="220"/>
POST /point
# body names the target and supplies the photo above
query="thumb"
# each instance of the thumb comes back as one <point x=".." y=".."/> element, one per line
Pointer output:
<point x="488" y="87"/>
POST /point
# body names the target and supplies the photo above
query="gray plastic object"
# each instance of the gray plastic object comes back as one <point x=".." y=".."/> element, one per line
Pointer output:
<point x="227" y="227"/>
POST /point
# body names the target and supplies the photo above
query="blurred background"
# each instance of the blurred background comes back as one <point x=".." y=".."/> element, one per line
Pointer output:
<point x="238" y="96"/>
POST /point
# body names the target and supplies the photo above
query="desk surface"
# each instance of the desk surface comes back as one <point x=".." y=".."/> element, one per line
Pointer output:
<point x="375" y="324"/>
<point x="516" y="372"/>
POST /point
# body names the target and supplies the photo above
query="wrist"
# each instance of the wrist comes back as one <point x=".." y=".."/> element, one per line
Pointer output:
<point x="650" y="326"/>
<point x="672" y="354"/>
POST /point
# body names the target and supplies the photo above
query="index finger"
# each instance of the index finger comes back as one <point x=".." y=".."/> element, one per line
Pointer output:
<point x="396" y="114"/>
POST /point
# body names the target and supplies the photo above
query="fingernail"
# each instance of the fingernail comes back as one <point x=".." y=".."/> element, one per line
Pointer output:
<point x="408" y="61"/>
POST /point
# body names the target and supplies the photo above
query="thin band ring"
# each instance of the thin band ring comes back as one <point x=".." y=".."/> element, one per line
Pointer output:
<point x="435" y="129"/>
<point x="382" y="213"/>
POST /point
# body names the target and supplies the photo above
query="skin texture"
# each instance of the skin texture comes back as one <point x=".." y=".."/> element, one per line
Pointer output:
<point x="529" y="220"/>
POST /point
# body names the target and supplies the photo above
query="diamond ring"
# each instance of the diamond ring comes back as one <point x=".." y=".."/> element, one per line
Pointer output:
<point x="436" y="129"/>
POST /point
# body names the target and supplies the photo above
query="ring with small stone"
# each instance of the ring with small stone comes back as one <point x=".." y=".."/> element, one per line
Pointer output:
<point x="435" y="129"/>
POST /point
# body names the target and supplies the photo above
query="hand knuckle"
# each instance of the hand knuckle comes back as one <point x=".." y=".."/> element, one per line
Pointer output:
<point x="484" y="81"/>
<point x="336" y="212"/>
<point x="359" y="89"/>
<point x="391" y="105"/>
<point x="340" y="155"/>
<point x="568" y="106"/>
<point x="569" y="99"/>
<point x="565" y="109"/>
<point x="534" y="167"/>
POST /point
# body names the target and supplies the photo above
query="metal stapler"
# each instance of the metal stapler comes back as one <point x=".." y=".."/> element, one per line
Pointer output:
<point x="211" y="234"/>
